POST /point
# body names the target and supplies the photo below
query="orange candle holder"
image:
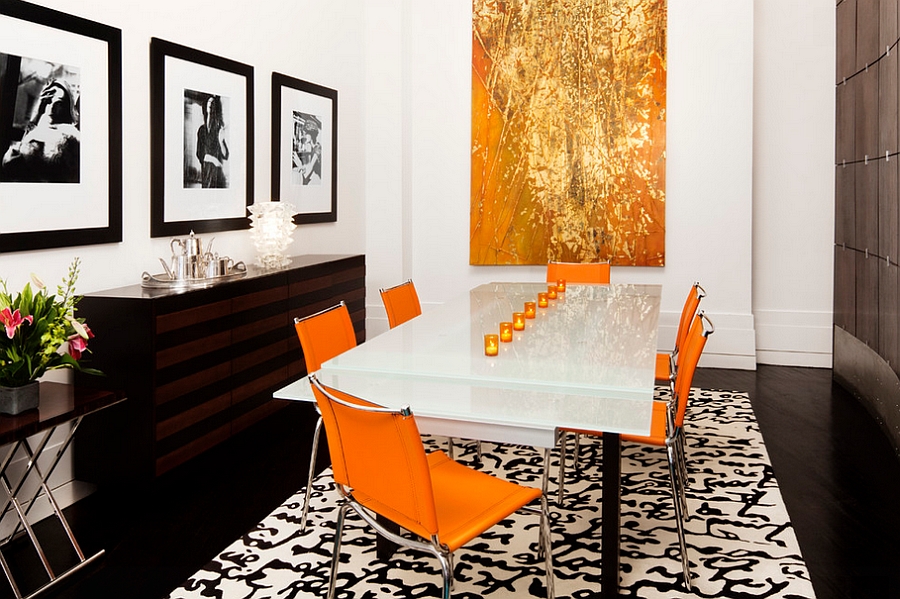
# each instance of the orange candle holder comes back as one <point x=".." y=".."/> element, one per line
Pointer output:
<point x="542" y="300"/>
<point x="530" y="309"/>
<point x="551" y="292"/>
<point x="561" y="285"/>
<point x="491" y="345"/>
<point x="506" y="329"/>
<point x="519" y="321"/>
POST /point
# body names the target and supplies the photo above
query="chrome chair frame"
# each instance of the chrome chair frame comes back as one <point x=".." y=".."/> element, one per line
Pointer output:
<point x="675" y="457"/>
<point x="304" y="515"/>
<point x="433" y="546"/>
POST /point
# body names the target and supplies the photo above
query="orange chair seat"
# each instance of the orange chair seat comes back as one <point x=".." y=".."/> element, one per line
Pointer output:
<point x="462" y="516"/>
<point x="662" y="366"/>
<point x="657" y="428"/>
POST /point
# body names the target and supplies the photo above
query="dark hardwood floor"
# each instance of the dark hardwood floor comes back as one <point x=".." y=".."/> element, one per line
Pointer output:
<point x="839" y="476"/>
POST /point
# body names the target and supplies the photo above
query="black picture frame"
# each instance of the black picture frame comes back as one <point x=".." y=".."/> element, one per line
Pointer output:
<point x="188" y="194"/>
<point x="304" y="170"/>
<point x="45" y="50"/>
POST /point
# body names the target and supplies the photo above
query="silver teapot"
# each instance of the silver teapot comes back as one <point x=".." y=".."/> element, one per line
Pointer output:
<point x="190" y="260"/>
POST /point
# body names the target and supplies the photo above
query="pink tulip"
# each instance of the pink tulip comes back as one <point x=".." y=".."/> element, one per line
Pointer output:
<point x="13" y="320"/>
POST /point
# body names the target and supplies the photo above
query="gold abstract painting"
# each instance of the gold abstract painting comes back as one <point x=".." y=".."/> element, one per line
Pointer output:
<point x="568" y="131"/>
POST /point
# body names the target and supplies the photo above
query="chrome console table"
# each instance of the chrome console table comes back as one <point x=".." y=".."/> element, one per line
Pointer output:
<point x="30" y="431"/>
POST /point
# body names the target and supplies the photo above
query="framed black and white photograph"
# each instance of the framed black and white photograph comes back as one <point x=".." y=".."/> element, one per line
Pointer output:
<point x="201" y="112"/>
<point x="60" y="129"/>
<point x="304" y="148"/>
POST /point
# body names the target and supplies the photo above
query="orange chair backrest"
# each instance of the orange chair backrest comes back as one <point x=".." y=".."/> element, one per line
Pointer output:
<point x="379" y="455"/>
<point x="700" y="330"/>
<point x="401" y="303"/>
<point x="687" y="313"/>
<point x="578" y="272"/>
<point x="324" y="335"/>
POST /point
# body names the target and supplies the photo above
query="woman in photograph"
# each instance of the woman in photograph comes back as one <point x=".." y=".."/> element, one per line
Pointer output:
<point x="50" y="148"/>
<point x="212" y="149"/>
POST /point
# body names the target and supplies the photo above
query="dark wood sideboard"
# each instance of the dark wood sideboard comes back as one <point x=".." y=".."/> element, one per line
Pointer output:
<point x="200" y="365"/>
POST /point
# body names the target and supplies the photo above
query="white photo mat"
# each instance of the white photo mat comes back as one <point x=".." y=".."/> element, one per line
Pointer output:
<point x="30" y="207"/>
<point x="199" y="204"/>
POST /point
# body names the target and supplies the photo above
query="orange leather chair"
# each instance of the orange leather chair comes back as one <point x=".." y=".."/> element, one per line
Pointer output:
<point x="667" y="428"/>
<point x="323" y="335"/>
<point x="401" y="303"/>
<point x="667" y="362"/>
<point x="578" y="272"/>
<point x="380" y="467"/>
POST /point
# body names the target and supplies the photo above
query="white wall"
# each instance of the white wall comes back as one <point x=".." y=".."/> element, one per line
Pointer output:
<point x="316" y="41"/>
<point x="793" y="181"/>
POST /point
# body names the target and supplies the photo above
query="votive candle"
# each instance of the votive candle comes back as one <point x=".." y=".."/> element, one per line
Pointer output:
<point x="561" y="285"/>
<point x="530" y="309"/>
<point x="542" y="300"/>
<point x="551" y="292"/>
<point x="506" y="329"/>
<point x="491" y="345"/>
<point x="519" y="321"/>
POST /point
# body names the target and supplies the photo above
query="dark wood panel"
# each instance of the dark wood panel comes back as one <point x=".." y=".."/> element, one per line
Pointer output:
<point x="265" y="354"/>
<point x="186" y="351"/>
<point x="888" y="104"/>
<point x="887" y="31"/>
<point x="260" y="298"/>
<point x="262" y="383"/>
<point x="183" y="318"/>
<point x="255" y="415"/>
<point x="324" y="282"/>
<point x="186" y="452"/>
<point x="868" y="46"/>
<point x="888" y="302"/>
<point x="198" y="380"/>
<point x="248" y="331"/>
<point x="846" y="40"/>
<point x="888" y="209"/>
<point x="183" y="420"/>
<point x="845" y="122"/>
<point x="867" y="206"/>
<point x="845" y="205"/>
<point x="867" y="299"/>
<point x="866" y="122"/>
<point x="845" y="289"/>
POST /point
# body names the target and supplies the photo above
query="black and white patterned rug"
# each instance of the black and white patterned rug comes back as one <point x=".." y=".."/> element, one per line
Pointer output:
<point x="740" y="540"/>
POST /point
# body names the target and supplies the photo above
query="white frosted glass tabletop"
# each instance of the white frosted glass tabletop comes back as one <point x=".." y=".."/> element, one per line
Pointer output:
<point x="586" y="361"/>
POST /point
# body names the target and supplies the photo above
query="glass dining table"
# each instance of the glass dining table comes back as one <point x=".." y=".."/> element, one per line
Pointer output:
<point x="586" y="362"/>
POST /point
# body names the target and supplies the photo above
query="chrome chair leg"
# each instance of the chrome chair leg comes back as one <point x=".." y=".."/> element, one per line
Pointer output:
<point x="312" y="474"/>
<point x="336" y="557"/>
<point x="679" y="516"/>
<point x="447" y="573"/>
<point x="562" y="468"/>
<point x="544" y="535"/>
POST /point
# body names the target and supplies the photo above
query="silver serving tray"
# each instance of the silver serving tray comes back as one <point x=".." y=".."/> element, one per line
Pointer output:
<point x="163" y="281"/>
